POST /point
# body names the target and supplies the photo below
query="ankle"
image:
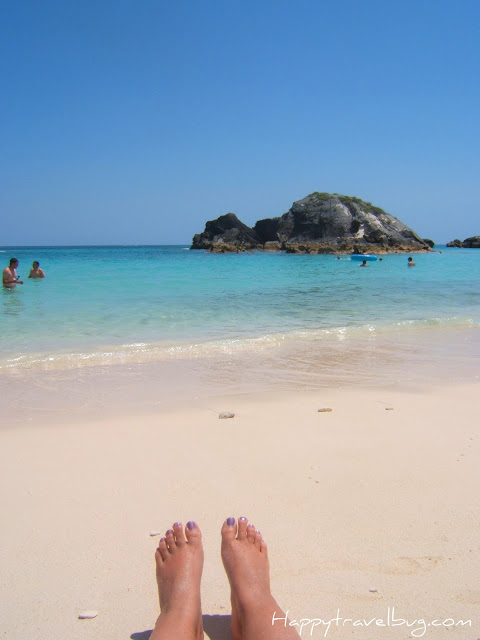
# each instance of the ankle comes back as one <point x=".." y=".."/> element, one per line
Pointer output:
<point x="251" y="602"/>
<point x="177" y="624"/>
<point x="182" y="609"/>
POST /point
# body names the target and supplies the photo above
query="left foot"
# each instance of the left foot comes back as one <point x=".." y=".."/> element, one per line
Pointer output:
<point x="179" y="560"/>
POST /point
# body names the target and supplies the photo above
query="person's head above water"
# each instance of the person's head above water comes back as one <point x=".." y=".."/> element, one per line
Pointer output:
<point x="13" y="262"/>
<point x="35" y="264"/>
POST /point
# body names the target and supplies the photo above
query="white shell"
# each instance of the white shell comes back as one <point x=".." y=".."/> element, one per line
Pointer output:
<point x="226" y="414"/>
<point x="87" y="615"/>
<point x="155" y="533"/>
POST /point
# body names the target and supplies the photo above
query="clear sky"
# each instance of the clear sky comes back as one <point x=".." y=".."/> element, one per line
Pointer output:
<point x="136" y="121"/>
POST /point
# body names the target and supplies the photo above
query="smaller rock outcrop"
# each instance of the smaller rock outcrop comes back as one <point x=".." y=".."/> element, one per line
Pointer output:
<point x="225" y="234"/>
<point x="468" y="243"/>
<point x="455" y="243"/>
<point x="430" y="243"/>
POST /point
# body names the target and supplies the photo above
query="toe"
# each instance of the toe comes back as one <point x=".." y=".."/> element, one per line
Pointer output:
<point x="162" y="549"/>
<point x="229" y="529"/>
<point x="251" y="533"/>
<point x="242" y="528"/>
<point x="258" y="539"/>
<point x="193" y="533"/>
<point x="170" y="540"/>
<point x="263" y="547"/>
<point x="180" y="540"/>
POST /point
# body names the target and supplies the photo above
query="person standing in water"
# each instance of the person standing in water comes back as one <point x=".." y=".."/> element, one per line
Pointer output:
<point x="10" y="278"/>
<point x="411" y="263"/>
<point x="35" y="271"/>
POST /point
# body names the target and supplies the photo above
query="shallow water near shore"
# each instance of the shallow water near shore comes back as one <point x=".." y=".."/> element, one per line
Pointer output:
<point x="110" y="304"/>
<point x="146" y="325"/>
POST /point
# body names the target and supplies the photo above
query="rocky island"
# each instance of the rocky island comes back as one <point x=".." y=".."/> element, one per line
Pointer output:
<point x="468" y="243"/>
<point x="319" y="223"/>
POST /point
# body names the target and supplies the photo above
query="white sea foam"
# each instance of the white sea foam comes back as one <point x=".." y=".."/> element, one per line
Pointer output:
<point x="337" y="338"/>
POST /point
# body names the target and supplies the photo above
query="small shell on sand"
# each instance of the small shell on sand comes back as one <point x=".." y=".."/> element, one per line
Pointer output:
<point x="373" y="590"/>
<point x="155" y="533"/>
<point x="388" y="408"/>
<point x="87" y="615"/>
<point x="226" y="414"/>
<point x="324" y="410"/>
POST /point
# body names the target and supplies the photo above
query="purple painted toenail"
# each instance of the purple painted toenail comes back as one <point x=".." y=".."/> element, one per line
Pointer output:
<point x="243" y="519"/>
<point x="162" y="539"/>
<point x="250" y="526"/>
<point x="177" y="524"/>
<point x="169" y="531"/>
<point x="230" y="522"/>
<point x="257" y="531"/>
<point x="191" y="525"/>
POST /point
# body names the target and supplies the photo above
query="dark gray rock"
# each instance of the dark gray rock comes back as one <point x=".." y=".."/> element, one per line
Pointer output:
<point x="226" y="233"/>
<point x="430" y="243"/>
<point x="472" y="243"/>
<point x="468" y="243"/>
<point x="319" y="223"/>
<point x="267" y="229"/>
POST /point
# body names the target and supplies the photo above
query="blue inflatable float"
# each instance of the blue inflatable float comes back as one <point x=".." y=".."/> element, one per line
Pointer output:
<point x="364" y="256"/>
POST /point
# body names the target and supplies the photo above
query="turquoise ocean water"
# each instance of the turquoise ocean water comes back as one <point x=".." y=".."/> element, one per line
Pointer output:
<point x="297" y="315"/>
<point x="114" y="302"/>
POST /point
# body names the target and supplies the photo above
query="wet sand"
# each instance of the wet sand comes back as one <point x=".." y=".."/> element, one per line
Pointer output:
<point x="62" y="390"/>
<point x="373" y="505"/>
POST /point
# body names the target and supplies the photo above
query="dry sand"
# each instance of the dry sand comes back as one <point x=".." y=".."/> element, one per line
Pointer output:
<point x="380" y="494"/>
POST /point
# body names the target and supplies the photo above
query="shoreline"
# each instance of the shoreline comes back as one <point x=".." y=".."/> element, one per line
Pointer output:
<point x="207" y="346"/>
<point x="406" y="360"/>
<point x="381" y="493"/>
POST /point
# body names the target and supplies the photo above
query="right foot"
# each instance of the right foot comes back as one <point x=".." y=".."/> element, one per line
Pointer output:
<point x="245" y="558"/>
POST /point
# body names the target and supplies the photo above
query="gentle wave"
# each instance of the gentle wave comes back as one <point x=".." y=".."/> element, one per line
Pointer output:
<point x="151" y="351"/>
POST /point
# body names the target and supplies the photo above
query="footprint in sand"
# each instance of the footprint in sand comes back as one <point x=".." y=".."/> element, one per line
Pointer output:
<point x="410" y="566"/>
<point x="468" y="597"/>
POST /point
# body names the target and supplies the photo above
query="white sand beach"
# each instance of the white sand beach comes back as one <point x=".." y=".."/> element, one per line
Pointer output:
<point x="200" y="183"/>
<point x="371" y="507"/>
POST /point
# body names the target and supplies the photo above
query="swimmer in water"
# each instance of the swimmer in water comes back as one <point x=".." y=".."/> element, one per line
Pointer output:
<point x="411" y="263"/>
<point x="10" y="278"/>
<point x="364" y="264"/>
<point x="35" y="271"/>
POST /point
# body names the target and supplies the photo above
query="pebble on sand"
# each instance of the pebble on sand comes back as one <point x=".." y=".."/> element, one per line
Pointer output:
<point x="155" y="533"/>
<point x="324" y="410"/>
<point x="388" y="408"/>
<point x="373" y="590"/>
<point x="226" y="414"/>
<point x="87" y="615"/>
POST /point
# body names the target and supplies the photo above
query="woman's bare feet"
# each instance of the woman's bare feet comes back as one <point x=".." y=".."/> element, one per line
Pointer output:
<point x="179" y="561"/>
<point x="245" y="558"/>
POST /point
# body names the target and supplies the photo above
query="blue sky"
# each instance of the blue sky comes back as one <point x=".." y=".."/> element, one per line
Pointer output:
<point x="136" y="121"/>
